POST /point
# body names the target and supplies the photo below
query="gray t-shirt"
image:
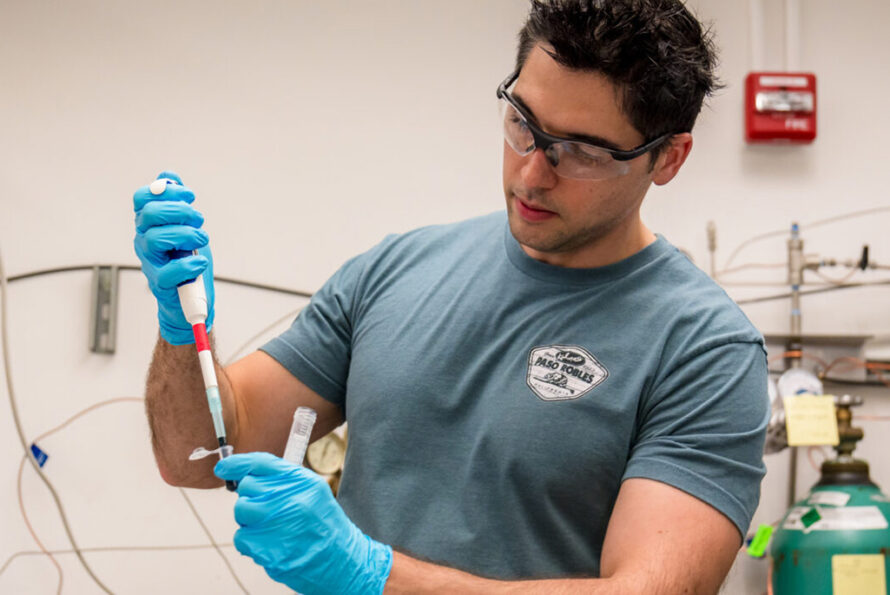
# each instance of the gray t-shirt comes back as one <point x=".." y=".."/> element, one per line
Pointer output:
<point x="495" y="403"/>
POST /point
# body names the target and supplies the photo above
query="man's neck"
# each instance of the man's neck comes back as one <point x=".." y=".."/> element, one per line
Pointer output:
<point x="609" y="249"/>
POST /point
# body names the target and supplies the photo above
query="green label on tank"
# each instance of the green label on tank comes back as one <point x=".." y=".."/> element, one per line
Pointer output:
<point x="810" y="517"/>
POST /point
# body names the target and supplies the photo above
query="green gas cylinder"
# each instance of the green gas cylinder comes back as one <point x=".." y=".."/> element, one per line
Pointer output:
<point x="836" y="540"/>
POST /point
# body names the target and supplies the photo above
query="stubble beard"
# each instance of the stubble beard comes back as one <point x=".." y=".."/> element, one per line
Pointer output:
<point x="554" y="240"/>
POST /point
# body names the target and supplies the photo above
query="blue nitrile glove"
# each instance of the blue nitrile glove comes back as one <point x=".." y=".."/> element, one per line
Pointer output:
<point x="165" y="223"/>
<point x="292" y="526"/>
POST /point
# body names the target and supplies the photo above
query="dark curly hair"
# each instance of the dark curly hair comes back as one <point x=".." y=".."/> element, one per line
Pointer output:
<point x="655" y="51"/>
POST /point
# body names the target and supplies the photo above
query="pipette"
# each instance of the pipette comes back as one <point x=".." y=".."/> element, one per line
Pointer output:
<point x="193" y="299"/>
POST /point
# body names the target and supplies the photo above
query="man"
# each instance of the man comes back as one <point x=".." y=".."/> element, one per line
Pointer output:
<point x="553" y="401"/>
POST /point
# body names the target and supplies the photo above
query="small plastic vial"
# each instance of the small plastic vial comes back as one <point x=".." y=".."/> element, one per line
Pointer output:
<point x="298" y="439"/>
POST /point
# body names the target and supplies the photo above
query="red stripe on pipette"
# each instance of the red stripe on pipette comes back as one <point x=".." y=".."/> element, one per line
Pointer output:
<point x="201" y="340"/>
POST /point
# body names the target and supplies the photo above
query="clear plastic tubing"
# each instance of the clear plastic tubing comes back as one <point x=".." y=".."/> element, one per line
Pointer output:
<point x="298" y="439"/>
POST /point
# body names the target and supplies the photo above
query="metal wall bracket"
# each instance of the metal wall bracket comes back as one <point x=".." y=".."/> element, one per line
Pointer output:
<point x="103" y="313"/>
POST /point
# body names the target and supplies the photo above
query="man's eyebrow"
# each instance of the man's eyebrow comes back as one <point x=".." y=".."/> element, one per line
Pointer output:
<point x="585" y="138"/>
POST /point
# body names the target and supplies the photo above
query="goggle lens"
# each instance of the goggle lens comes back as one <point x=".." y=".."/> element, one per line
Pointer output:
<point x="570" y="159"/>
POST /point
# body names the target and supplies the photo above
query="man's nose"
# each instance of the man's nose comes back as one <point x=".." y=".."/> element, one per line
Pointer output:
<point x="537" y="172"/>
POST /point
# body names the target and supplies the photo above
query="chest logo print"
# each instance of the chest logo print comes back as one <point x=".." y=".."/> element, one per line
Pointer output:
<point x="563" y="372"/>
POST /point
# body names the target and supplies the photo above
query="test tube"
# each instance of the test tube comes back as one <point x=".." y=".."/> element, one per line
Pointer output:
<point x="298" y="439"/>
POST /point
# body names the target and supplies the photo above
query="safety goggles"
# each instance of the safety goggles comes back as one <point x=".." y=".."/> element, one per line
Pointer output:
<point x="570" y="158"/>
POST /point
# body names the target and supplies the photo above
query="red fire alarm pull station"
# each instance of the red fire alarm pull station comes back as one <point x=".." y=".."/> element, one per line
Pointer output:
<point x="780" y="107"/>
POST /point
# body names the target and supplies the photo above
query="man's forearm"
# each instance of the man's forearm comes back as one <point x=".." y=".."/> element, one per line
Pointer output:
<point x="179" y="417"/>
<point x="409" y="575"/>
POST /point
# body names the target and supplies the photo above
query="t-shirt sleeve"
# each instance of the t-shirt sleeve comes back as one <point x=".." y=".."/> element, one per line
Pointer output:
<point x="317" y="348"/>
<point x="703" y="427"/>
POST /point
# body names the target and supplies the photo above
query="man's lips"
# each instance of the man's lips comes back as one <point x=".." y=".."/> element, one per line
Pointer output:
<point x="531" y="213"/>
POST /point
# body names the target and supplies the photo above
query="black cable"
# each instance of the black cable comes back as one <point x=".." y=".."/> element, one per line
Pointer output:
<point x="130" y="267"/>
<point x="53" y="272"/>
<point x="263" y="286"/>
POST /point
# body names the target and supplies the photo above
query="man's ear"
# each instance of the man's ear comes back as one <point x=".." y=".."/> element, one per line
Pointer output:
<point x="671" y="159"/>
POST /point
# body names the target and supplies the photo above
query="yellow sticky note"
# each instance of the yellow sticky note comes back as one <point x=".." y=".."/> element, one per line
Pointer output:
<point x="858" y="575"/>
<point x="810" y="420"/>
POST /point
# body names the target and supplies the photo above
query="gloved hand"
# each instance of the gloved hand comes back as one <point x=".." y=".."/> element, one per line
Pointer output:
<point x="292" y="526"/>
<point x="166" y="223"/>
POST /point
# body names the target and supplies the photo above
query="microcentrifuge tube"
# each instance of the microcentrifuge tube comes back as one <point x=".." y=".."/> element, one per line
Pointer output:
<point x="201" y="452"/>
<point x="298" y="439"/>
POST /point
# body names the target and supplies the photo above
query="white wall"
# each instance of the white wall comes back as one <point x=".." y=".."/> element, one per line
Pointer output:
<point x="310" y="130"/>
<point x="747" y="190"/>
